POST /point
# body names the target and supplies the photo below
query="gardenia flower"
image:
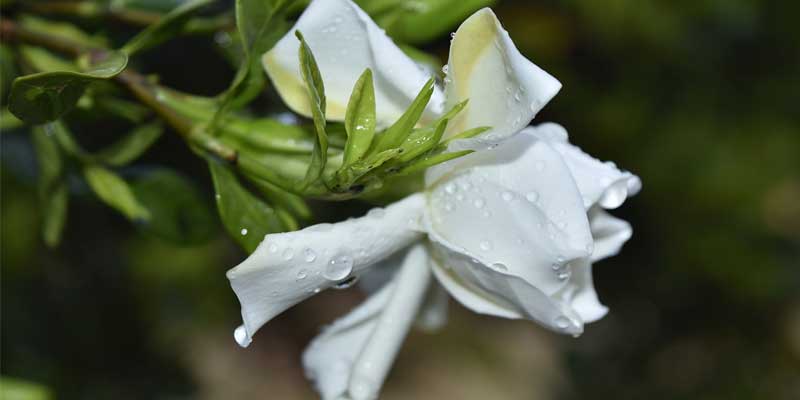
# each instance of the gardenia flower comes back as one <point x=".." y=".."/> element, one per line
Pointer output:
<point x="511" y="230"/>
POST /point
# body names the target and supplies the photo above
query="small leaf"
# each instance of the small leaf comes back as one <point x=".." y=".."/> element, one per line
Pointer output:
<point x="260" y="23"/>
<point x="347" y="176"/>
<point x="359" y="120"/>
<point x="167" y="27"/>
<point x="316" y="95"/>
<point x="53" y="194"/>
<point x="397" y="133"/>
<point x="131" y="146"/>
<point x="178" y="212"/>
<point x="115" y="192"/>
<point x="469" y="133"/>
<point x="246" y="218"/>
<point x="421" y="141"/>
<point x="432" y="160"/>
<point x="46" y="96"/>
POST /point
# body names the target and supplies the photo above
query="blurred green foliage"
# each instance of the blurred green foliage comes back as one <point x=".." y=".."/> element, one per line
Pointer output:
<point x="699" y="98"/>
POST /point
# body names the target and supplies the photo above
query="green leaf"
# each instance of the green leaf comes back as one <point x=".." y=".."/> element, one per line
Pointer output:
<point x="424" y="20"/>
<point x="62" y="30"/>
<point x="178" y="211"/>
<point x="52" y="188"/>
<point x="431" y="160"/>
<point x="131" y="146"/>
<point x="166" y="28"/>
<point x="359" y="120"/>
<point x="115" y="192"/>
<point x="469" y="133"/>
<point x="8" y="121"/>
<point x="16" y="389"/>
<point x="46" y="96"/>
<point x="395" y="135"/>
<point x="316" y="94"/>
<point x="246" y="217"/>
<point x="347" y="176"/>
<point x="260" y="24"/>
<point x="421" y="141"/>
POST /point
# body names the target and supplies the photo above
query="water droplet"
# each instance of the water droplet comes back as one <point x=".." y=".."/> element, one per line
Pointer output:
<point x="533" y="197"/>
<point x="500" y="267"/>
<point x="450" y="188"/>
<point x="376" y="213"/>
<point x="346" y="283"/>
<point x="273" y="248"/>
<point x="309" y="255"/>
<point x="562" y="322"/>
<point x="302" y="274"/>
<point x="288" y="254"/>
<point x="540" y="166"/>
<point x="445" y="68"/>
<point x="339" y="267"/>
<point x="485" y="245"/>
<point x="478" y="203"/>
<point x="452" y="35"/>
<point x="517" y="96"/>
<point x="564" y="274"/>
<point x="507" y="196"/>
<point x="241" y="337"/>
<point x="243" y="231"/>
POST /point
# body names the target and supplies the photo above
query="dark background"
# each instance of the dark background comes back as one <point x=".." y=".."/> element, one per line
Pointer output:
<point x="699" y="98"/>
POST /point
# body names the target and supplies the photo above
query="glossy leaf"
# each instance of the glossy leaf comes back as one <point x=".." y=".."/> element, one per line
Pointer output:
<point x="359" y="121"/>
<point x="115" y="192"/>
<point x="395" y="135"/>
<point x="246" y="217"/>
<point x="431" y="160"/>
<point x="421" y="141"/>
<point x="348" y="176"/>
<point x="316" y="94"/>
<point x="178" y="210"/>
<point x="166" y="28"/>
<point x="46" y="96"/>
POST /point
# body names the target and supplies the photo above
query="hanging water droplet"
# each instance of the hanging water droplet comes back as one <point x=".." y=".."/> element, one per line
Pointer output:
<point x="339" y="267"/>
<point x="309" y="255"/>
<point x="485" y="245"/>
<point x="500" y="267"/>
<point x="507" y="196"/>
<point x="562" y="322"/>
<point x="273" y="248"/>
<point x="288" y="254"/>
<point x="302" y="274"/>
<point x="533" y="197"/>
<point x="241" y="337"/>
<point x="346" y="283"/>
<point x="478" y="203"/>
<point x="243" y="232"/>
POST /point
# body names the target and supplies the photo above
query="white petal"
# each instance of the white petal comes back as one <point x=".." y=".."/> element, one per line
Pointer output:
<point x="609" y="233"/>
<point x="287" y="268"/>
<point x="488" y="290"/>
<point x="352" y="357"/>
<point x="580" y="293"/>
<point x="433" y="312"/>
<point x="515" y="206"/>
<point x="345" y="41"/>
<point x="505" y="90"/>
<point x="599" y="182"/>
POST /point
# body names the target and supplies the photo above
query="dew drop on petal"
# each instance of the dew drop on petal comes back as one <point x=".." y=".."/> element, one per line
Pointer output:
<point x="507" y="196"/>
<point x="500" y="267"/>
<point x="288" y="254"/>
<point x="309" y="255"/>
<point x="349" y="282"/>
<point x="450" y="188"/>
<point x="562" y="322"/>
<point x="241" y="337"/>
<point x="339" y="267"/>
<point x="532" y="197"/>
<point x="302" y="274"/>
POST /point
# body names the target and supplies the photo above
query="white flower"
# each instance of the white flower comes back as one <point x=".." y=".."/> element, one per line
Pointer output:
<point x="511" y="230"/>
